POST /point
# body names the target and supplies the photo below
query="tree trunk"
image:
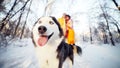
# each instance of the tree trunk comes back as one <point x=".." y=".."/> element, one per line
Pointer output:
<point x="83" y="38"/>
<point x="110" y="34"/>
<point x="105" y="39"/>
<point x="117" y="28"/>
<point x="91" y="40"/>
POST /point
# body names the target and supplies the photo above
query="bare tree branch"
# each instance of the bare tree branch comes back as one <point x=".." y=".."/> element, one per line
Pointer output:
<point x="7" y="16"/>
<point x="116" y="4"/>
<point x="20" y="9"/>
<point x="19" y="20"/>
<point x="105" y="17"/>
<point x="26" y="19"/>
<point x="10" y="10"/>
<point x="116" y="24"/>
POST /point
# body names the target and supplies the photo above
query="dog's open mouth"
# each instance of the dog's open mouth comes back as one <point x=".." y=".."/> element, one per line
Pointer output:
<point x="43" y="39"/>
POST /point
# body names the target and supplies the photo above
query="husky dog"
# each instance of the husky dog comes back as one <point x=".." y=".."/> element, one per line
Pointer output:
<point x="50" y="46"/>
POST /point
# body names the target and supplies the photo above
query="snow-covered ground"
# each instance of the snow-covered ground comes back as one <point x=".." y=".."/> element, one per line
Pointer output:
<point x="21" y="54"/>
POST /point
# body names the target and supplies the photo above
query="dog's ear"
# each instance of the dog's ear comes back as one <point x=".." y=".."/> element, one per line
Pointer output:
<point x="36" y="22"/>
<point x="59" y="27"/>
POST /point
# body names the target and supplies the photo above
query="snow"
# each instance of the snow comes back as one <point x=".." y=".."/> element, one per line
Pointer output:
<point x="21" y="54"/>
<point x="102" y="56"/>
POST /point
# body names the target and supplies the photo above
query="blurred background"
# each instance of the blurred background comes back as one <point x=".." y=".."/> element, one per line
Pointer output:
<point x="94" y="21"/>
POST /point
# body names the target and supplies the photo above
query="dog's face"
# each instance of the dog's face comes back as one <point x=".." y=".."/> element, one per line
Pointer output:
<point x="46" y="30"/>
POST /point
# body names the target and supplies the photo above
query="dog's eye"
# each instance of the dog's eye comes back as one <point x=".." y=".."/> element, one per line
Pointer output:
<point x="40" y="22"/>
<point x="51" y="22"/>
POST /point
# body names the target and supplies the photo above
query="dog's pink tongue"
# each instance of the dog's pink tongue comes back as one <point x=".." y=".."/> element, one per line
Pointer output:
<point x="42" y="41"/>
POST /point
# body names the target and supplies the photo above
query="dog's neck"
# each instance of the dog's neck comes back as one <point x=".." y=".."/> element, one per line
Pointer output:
<point x="55" y="42"/>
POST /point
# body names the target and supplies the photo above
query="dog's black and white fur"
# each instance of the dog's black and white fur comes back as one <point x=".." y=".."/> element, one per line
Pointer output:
<point x="55" y="51"/>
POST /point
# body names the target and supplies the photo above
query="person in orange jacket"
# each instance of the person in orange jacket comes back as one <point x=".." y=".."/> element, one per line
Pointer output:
<point x="70" y="35"/>
<point x="67" y="27"/>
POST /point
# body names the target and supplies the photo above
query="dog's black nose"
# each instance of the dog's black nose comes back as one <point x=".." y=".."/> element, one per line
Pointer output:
<point x="42" y="29"/>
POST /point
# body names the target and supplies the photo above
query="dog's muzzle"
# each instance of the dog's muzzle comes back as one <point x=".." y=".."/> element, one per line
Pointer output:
<point x="42" y="29"/>
<point x="43" y="38"/>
